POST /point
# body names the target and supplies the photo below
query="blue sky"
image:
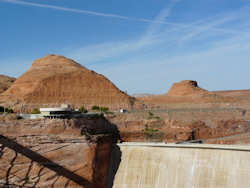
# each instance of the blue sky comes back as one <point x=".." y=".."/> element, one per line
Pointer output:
<point x="141" y="46"/>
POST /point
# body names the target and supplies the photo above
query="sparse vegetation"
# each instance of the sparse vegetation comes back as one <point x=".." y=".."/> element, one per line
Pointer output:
<point x="83" y="109"/>
<point x="104" y="109"/>
<point x="95" y="108"/>
<point x="36" y="111"/>
<point x="6" y="110"/>
<point x="101" y="109"/>
<point x="152" y="116"/>
<point x="149" y="131"/>
<point x="153" y="134"/>
<point x="9" y="110"/>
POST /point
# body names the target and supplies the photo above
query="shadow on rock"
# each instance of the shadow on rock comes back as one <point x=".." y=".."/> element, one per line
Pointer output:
<point x="41" y="160"/>
<point x="115" y="161"/>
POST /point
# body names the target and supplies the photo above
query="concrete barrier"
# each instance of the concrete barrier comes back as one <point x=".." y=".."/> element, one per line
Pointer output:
<point x="149" y="165"/>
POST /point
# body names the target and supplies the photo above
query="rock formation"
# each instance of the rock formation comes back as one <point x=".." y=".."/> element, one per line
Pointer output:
<point x="5" y="82"/>
<point x="185" y="88"/>
<point x="136" y="128"/>
<point x="55" y="153"/>
<point x="56" y="79"/>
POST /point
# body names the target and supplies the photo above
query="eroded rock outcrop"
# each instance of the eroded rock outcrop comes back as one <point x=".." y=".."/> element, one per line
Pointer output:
<point x="56" y="79"/>
<point x="5" y="82"/>
<point x="185" y="88"/>
<point x="171" y="130"/>
<point x="55" y="153"/>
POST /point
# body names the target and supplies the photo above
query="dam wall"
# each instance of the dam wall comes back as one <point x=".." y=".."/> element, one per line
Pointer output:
<point x="135" y="165"/>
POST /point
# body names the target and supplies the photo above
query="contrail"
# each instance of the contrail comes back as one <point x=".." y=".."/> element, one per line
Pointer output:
<point x="82" y="11"/>
<point x="117" y="16"/>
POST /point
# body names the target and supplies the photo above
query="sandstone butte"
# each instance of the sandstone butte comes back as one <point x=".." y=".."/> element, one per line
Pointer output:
<point x="5" y="82"/>
<point x="55" y="79"/>
<point x="186" y="92"/>
<point x="185" y="88"/>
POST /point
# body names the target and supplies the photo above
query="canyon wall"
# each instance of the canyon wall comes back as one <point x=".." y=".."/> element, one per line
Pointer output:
<point x="153" y="128"/>
<point x="55" y="153"/>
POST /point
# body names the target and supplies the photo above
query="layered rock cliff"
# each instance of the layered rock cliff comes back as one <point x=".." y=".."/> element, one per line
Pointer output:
<point x="156" y="129"/>
<point x="55" y="153"/>
<point x="56" y="79"/>
<point x="5" y="82"/>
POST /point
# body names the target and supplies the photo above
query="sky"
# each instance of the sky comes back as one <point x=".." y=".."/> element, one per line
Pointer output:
<point x="141" y="46"/>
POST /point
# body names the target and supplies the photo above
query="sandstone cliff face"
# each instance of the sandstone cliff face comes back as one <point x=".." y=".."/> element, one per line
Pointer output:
<point x="5" y="82"/>
<point x="55" y="79"/>
<point x="186" y="87"/>
<point x="172" y="130"/>
<point x="54" y="153"/>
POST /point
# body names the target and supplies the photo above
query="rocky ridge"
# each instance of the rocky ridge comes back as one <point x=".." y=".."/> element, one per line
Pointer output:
<point x="55" y="79"/>
<point x="5" y="82"/>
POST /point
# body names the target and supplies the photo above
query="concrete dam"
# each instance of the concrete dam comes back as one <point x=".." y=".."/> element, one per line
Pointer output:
<point x="145" y="165"/>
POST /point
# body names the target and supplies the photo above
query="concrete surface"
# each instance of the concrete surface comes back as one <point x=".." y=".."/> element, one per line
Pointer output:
<point x="159" y="165"/>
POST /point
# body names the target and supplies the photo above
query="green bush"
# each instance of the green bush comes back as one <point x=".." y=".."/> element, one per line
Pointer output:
<point x="149" y="132"/>
<point x="104" y="109"/>
<point x="35" y="111"/>
<point x="83" y="109"/>
<point x="9" y="110"/>
<point x="152" y="116"/>
<point x="96" y="108"/>
<point x="101" y="109"/>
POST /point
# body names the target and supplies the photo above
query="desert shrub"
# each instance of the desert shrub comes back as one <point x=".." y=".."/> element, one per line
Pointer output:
<point x="83" y="109"/>
<point x="109" y="113"/>
<point x="152" y="116"/>
<point x="149" y="131"/>
<point x="9" y="110"/>
<point x="152" y="134"/>
<point x="157" y="117"/>
<point x="101" y="109"/>
<point x="104" y="109"/>
<point x="36" y="111"/>
<point x="96" y="108"/>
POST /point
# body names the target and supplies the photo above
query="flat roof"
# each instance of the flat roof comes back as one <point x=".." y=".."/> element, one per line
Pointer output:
<point x="54" y="109"/>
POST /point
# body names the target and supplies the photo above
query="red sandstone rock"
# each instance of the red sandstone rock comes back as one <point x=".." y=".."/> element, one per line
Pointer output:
<point x="56" y="79"/>
<point x="186" y="87"/>
<point x="5" y="82"/>
<point x="53" y="153"/>
<point x="176" y="130"/>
